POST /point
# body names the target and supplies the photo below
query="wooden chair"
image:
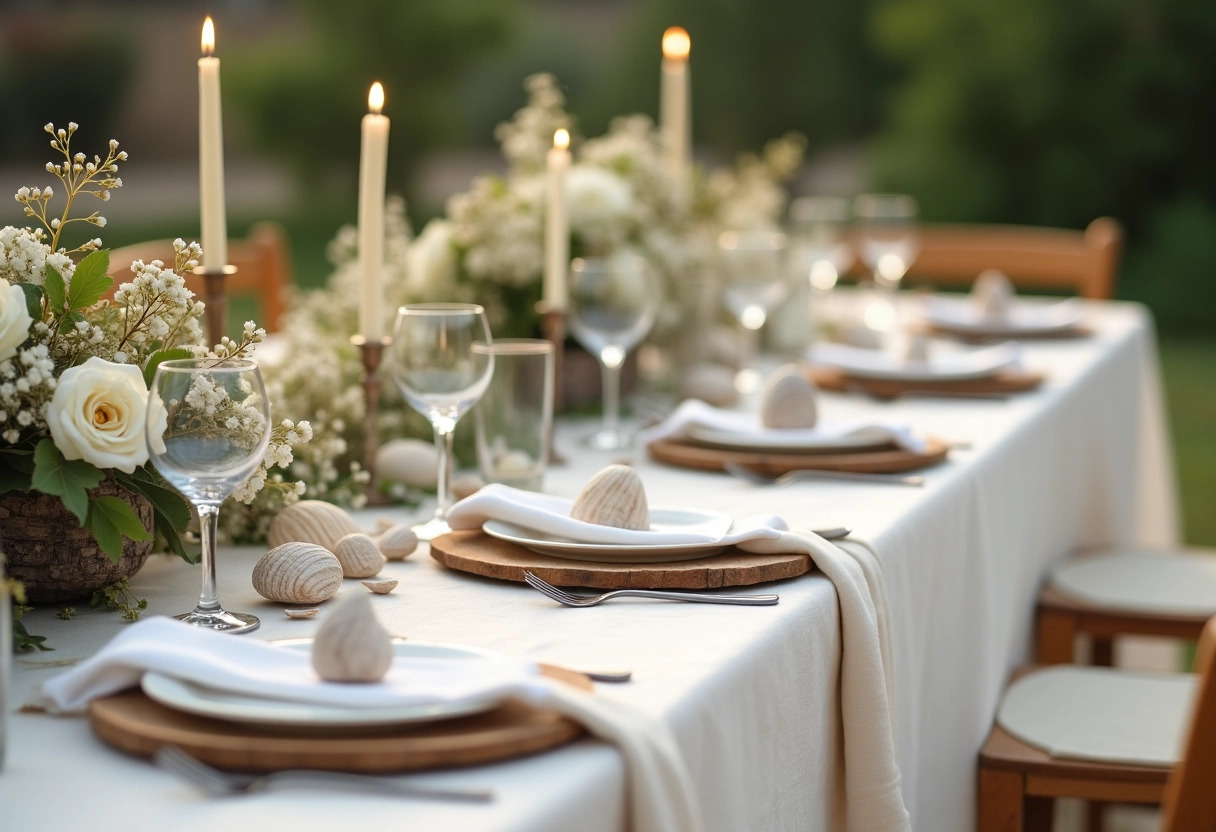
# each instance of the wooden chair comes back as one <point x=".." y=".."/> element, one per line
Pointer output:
<point x="1019" y="783"/>
<point x="1083" y="262"/>
<point x="263" y="262"/>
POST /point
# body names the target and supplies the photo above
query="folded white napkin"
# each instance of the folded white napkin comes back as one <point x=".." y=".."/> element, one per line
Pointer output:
<point x="661" y="796"/>
<point x="943" y="366"/>
<point x="961" y="313"/>
<point x="874" y="800"/>
<point x="693" y="413"/>
<point x="551" y="515"/>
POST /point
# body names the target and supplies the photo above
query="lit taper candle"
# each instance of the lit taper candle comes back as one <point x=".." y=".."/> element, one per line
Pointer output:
<point x="674" y="105"/>
<point x="211" y="155"/>
<point x="373" y="165"/>
<point x="557" y="223"/>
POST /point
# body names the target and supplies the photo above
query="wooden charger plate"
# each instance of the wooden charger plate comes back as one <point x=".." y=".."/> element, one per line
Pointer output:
<point x="1003" y="381"/>
<point x="478" y="553"/>
<point x="888" y="459"/>
<point x="132" y="722"/>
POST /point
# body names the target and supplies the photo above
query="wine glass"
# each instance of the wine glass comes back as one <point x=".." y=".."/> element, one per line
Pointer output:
<point x="441" y="376"/>
<point x="613" y="301"/>
<point x="753" y="269"/>
<point x="887" y="237"/>
<point x="818" y="239"/>
<point x="207" y="428"/>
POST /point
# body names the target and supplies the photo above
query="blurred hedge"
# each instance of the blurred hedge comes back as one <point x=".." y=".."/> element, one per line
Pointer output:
<point x="1054" y="113"/>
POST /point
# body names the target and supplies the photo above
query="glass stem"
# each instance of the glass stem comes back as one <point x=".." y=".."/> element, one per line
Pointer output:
<point x="612" y="396"/>
<point x="749" y="347"/>
<point x="443" y="484"/>
<point x="209" y="524"/>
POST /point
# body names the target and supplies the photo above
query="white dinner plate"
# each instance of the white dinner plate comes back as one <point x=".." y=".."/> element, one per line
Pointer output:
<point x="661" y="520"/>
<point x="944" y="365"/>
<point x="960" y="316"/>
<point x="773" y="441"/>
<point x="195" y="698"/>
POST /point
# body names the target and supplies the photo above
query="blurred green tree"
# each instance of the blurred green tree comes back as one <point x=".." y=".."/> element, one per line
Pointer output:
<point x="302" y="98"/>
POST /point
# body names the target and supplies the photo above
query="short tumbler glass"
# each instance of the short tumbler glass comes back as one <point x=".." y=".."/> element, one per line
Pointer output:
<point x="514" y="419"/>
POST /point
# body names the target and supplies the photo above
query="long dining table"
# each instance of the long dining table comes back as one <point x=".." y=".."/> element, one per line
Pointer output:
<point x="751" y="694"/>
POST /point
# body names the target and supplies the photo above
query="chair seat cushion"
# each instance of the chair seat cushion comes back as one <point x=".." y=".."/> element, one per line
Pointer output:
<point x="1100" y="714"/>
<point x="1166" y="583"/>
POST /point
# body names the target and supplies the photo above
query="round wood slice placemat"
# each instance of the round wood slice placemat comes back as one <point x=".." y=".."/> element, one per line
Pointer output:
<point x="888" y="460"/>
<point x="973" y="336"/>
<point x="132" y="722"/>
<point x="480" y="554"/>
<point x="1004" y="381"/>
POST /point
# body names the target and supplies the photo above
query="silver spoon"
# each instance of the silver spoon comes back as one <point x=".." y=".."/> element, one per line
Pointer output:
<point x="751" y="476"/>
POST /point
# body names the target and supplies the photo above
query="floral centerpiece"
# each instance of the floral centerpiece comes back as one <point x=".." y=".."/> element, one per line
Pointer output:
<point x="79" y="505"/>
<point x="489" y="249"/>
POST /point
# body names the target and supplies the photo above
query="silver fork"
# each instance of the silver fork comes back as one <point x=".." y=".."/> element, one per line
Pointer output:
<point x="212" y="780"/>
<point x="572" y="600"/>
<point x="744" y="473"/>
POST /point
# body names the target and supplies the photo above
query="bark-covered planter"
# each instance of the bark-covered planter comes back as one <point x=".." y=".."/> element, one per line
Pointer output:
<point x="57" y="560"/>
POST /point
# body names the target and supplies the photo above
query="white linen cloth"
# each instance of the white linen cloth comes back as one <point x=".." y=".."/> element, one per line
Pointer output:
<point x="694" y="413"/>
<point x="1096" y="713"/>
<point x="660" y="793"/>
<point x="940" y="366"/>
<point x="872" y="780"/>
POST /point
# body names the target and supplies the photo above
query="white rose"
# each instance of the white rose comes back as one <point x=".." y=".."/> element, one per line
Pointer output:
<point x="600" y="203"/>
<point x="430" y="261"/>
<point x="15" y="320"/>
<point x="98" y="414"/>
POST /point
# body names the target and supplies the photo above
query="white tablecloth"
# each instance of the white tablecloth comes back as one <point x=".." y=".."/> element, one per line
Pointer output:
<point x="751" y="693"/>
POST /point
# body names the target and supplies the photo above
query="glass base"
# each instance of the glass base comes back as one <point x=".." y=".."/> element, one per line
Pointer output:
<point x="221" y="620"/>
<point x="431" y="529"/>
<point x="609" y="440"/>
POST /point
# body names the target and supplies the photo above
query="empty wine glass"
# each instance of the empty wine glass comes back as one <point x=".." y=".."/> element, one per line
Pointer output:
<point x="819" y="239"/>
<point x="207" y="428"/>
<point x="753" y="269"/>
<point x="612" y="306"/>
<point x="887" y="237"/>
<point x="442" y="377"/>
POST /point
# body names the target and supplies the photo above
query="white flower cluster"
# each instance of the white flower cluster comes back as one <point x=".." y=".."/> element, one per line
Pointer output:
<point x="24" y="255"/>
<point x="279" y="454"/>
<point x="157" y="308"/>
<point x="27" y="382"/>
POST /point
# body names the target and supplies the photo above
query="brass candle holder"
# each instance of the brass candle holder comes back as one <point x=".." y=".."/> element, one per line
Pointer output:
<point x="553" y="329"/>
<point x="215" y="295"/>
<point x="371" y="353"/>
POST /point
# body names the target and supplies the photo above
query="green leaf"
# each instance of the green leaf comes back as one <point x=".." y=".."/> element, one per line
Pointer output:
<point x="163" y="355"/>
<point x="68" y="322"/>
<point x="22" y="640"/>
<point x="171" y="512"/>
<point x="90" y="281"/>
<point x="33" y="299"/>
<point x="16" y="470"/>
<point x="56" y="290"/>
<point x="112" y="519"/>
<point x="69" y="480"/>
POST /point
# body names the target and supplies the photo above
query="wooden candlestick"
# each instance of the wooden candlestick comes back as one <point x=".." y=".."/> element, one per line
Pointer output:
<point x="371" y="353"/>
<point x="216" y="300"/>
<point x="553" y="328"/>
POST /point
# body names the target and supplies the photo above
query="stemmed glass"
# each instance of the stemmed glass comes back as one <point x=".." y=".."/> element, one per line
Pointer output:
<point x="613" y="301"/>
<point x="207" y="429"/>
<point x="442" y="377"/>
<point x="887" y="237"/>
<point x="819" y="239"/>
<point x="753" y="269"/>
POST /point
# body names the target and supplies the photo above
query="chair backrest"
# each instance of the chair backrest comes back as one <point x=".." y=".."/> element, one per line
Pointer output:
<point x="1084" y="262"/>
<point x="1190" y="796"/>
<point x="262" y="260"/>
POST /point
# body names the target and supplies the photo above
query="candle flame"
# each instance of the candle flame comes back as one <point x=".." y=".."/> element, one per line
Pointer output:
<point x="676" y="43"/>
<point x="375" y="98"/>
<point x="561" y="139"/>
<point x="208" y="37"/>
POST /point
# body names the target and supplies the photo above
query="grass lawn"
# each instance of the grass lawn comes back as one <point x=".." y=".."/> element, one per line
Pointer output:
<point x="1189" y="370"/>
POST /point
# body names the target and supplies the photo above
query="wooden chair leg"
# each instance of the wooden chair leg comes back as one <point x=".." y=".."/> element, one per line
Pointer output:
<point x="1056" y="637"/>
<point x="1095" y="816"/>
<point x="1102" y="651"/>
<point x="1001" y="801"/>
<point x="1039" y="814"/>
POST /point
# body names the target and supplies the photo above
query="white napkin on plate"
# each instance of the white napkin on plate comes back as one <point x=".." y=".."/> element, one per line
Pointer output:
<point x="943" y="366"/>
<point x="693" y="413"/>
<point x="551" y="515"/>
<point x="961" y="313"/>
<point x="661" y="795"/>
